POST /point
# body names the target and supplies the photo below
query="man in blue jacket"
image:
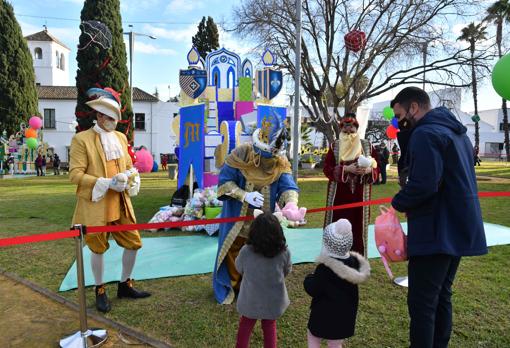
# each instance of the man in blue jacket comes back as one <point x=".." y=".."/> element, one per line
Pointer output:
<point x="440" y="199"/>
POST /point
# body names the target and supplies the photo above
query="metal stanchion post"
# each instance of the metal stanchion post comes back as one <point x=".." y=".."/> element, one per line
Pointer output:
<point x="86" y="338"/>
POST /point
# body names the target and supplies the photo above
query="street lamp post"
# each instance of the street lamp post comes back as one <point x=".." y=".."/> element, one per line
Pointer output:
<point x="424" y="51"/>
<point x="297" y="98"/>
<point x="131" y="36"/>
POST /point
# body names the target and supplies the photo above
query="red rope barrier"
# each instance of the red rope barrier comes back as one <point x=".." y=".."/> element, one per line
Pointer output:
<point x="158" y="225"/>
<point x="117" y="228"/>
<point x="38" y="238"/>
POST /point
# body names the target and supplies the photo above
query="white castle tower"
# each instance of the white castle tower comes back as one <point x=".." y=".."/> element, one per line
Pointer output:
<point x="51" y="59"/>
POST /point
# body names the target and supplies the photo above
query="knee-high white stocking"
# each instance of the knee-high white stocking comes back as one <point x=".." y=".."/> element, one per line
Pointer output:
<point x="128" y="263"/>
<point x="97" y="263"/>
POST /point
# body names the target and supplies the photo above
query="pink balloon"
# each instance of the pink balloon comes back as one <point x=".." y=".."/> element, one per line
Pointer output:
<point x="35" y="122"/>
<point x="144" y="161"/>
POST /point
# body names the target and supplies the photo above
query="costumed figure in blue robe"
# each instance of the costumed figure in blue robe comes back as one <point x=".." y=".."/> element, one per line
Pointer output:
<point x="254" y="175"/>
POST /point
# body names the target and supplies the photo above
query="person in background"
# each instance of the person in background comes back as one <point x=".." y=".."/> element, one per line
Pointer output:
<point x="164" y="162"/>
<point x="56" y="165"/>
<point x="38" y="165"/>
<point x="394" y="153"/>
<point x="43" y="165"/>
<point x="384" y="157"/>
<point x="476" y="155"/>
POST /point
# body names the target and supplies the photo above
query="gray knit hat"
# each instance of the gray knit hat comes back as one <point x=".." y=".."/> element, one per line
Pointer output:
<point x="337" y="239"/>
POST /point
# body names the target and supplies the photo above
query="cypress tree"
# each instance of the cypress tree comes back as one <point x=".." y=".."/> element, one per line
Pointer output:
<point x="100" y="67"/>
<point x="213" y="37"/>
<point x="207" y="37"/>
<point x="18" y="95"/>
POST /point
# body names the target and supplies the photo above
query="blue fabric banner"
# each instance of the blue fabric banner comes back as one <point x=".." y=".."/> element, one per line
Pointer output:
<point x="225" y="112"/>
<point x="192" y="143"/>
<point x="274" y="114"/>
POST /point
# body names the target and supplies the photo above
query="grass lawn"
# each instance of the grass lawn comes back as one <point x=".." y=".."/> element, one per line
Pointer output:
<point x="182" y="310"/>
<point x="495" y="169"/>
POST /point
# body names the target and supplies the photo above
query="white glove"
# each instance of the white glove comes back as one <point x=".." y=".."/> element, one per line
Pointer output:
<point x="119" y="182"/>
<point x="100" y="188"/>
<point x="254" y="198"/>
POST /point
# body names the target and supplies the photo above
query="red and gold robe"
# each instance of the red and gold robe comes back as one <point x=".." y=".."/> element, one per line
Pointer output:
<point x="344" y="188"/>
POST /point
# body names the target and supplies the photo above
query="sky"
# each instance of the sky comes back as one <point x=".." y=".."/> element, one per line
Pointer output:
<point x="156" y="63"/>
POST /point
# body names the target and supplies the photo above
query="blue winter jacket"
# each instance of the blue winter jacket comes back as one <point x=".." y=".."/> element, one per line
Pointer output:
<point x="440" y="196"/>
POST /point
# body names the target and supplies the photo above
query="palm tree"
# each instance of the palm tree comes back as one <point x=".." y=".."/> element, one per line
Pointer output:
<point x="474" y="33"/>
<point x="498" y="13"/>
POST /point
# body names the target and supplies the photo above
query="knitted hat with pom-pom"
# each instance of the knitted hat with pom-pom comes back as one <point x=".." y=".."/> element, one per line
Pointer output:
<point x="337" y="239"/>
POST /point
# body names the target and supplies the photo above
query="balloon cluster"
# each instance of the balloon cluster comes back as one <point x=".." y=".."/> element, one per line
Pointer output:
<point x="35" y="123"/>
<point x="500" y="75"/>
<point x="392" y="129"/>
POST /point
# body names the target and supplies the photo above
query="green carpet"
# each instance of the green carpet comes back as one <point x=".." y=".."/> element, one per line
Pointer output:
<point x="177" y="256"/>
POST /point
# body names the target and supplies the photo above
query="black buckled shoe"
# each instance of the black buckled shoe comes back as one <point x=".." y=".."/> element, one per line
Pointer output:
<point x="127" y="290"/>
<point x="102" y="303"/>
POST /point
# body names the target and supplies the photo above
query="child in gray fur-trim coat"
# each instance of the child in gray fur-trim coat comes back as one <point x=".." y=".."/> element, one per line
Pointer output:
<point x="264" y="262"/>
<point x="334" y="287"/>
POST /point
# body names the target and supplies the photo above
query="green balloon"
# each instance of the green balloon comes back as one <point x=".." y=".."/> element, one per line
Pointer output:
<point x="32" y="143"/>
<point x="501" y="77"/>
<point x="388" y="113"/>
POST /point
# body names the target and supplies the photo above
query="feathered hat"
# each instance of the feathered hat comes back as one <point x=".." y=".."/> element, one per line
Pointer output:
<point x="105" y="101"/>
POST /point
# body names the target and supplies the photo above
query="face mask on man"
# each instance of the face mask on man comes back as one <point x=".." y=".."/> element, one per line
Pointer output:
<point x="109" y="125"/>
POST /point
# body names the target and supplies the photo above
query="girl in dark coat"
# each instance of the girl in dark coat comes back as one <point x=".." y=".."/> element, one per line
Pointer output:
<point x="334" y="287"/>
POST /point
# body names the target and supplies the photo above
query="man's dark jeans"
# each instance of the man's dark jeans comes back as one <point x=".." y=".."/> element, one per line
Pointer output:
<point x="429" y="299"/>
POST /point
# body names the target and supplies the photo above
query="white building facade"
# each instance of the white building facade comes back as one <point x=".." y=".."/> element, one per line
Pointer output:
<point x="152" y="127"/>
<point x="57" y="103"/>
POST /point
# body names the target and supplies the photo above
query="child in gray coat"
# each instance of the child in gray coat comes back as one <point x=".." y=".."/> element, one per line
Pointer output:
<point x="263" y="262"/>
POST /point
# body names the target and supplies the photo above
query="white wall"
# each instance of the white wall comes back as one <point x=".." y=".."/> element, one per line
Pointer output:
<point x="46" y="71"/>
<point x="60" y="137"/>
<point x="158" y="136"/>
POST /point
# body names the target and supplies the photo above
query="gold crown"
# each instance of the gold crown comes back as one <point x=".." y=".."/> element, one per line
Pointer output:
<point x="265" y="130"/>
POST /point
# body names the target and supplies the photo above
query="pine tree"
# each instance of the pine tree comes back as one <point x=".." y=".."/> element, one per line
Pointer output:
<point x="99" y="67"/>
<point x="207" y="37"/>
<point x="18" y="95"/>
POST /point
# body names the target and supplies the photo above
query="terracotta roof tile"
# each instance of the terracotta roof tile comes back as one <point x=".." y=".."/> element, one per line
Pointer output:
<point x="44" y="36"/>
<point x="70" y="93"/>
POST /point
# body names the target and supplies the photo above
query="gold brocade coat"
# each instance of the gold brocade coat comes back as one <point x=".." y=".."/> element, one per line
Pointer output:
<point x="87" y="164"/>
